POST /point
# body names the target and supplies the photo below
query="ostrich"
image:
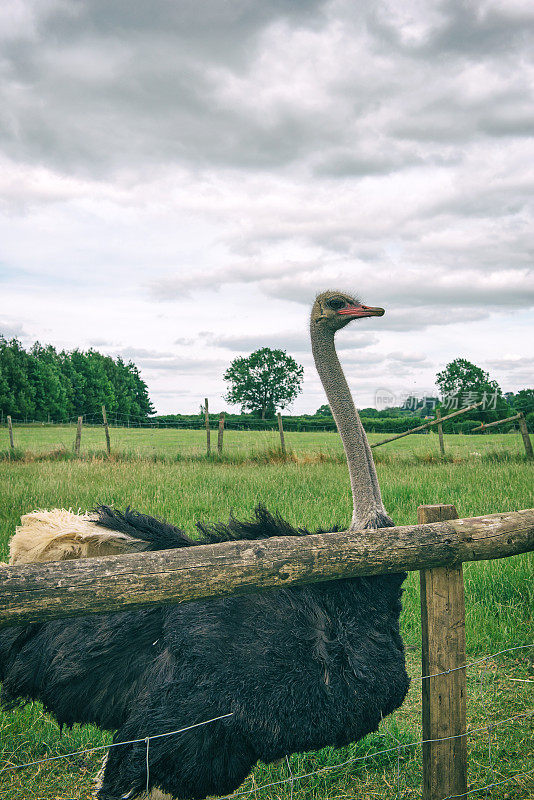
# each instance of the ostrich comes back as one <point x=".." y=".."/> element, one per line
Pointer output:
<point x="299" y="668"/>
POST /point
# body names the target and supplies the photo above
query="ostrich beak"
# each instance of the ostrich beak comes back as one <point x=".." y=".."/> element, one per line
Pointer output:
<point x="362" y="311"/>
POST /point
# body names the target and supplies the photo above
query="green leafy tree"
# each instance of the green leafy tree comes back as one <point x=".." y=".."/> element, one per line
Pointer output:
<point x="19" y="399"/>
<point x="46" y="376"/>
<point x="264" y="381"/>
<point x="323" y="411"/>
<point x="135" y="390"/>
<point x="523" y="401"/>
<point x="462" y="383"/>
<point x="43" y="383"/>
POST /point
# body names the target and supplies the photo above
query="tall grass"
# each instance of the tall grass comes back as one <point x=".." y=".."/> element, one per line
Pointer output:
<point x="312" y="492"/>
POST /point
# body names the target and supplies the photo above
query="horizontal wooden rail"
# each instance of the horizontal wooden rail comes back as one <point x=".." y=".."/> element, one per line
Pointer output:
<point x="436" y="421"/>
<point x="483" y="426"/>
<point x="39" y="592"/>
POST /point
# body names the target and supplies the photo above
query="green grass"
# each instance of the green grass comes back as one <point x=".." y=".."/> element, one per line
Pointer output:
<point x="175" y="444"/>
<point x="499" y="594"/>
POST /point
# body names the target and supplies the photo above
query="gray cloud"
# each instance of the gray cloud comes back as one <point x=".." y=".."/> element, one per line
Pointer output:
<point x="11" y="329"/>
<point x="292" y="341"/>
<point x="230" y="86"/>
<point x="512" y="371"/>
<point x="511" y="363"/>
<point x="151" y="155"/>
<point x="164" y="361"/>
<point x="407" y="358"/>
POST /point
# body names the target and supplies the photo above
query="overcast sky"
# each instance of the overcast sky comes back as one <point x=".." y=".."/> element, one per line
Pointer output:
<point x="179" y="179"/>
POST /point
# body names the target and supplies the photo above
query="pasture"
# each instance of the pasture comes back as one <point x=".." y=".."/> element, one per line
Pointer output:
<point x="174" y="444"/>
<point x="174" y="480"/>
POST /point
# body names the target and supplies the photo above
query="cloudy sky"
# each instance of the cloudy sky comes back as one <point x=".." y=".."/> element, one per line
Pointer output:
<point x="179" y="179"/>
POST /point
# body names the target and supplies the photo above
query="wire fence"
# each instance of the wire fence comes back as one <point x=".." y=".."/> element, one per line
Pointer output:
<point x="162" y="440"/>
<point x="398" y="747"/>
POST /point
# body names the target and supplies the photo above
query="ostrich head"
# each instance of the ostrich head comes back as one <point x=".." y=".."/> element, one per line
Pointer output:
<point x="334" y="310"/>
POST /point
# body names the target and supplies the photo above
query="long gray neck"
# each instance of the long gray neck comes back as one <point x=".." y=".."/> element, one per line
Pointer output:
<point x="368" y="509"/>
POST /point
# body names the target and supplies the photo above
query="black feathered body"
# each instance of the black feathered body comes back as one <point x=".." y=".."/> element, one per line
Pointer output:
<point x="299" y="669"/>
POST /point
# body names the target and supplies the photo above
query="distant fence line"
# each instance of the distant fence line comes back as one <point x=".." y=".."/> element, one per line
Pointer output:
<point x="221" y="422"/>
<point x="310" y="424"/>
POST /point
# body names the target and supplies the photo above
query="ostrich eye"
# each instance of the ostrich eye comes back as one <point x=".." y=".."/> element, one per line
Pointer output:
<point x="336" y="304"/>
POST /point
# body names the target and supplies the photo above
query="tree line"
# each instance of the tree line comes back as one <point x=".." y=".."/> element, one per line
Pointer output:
<point x="44" y="384"/>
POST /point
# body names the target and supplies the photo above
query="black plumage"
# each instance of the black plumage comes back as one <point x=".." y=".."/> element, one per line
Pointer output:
<point x="299" y="669"/>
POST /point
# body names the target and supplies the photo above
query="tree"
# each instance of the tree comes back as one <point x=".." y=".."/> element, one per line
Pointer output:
<point x="462" y="383"/>
<point x="522" y="401"/>
<point x="42" y="383"/>
<point x="264" y="381"/>
<point x="323" y="411"/>
<point x="18" y="399"/>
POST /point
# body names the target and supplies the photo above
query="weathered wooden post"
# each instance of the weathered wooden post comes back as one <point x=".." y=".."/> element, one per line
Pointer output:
<point x="440" y="433"/>
<point x="444" y="695"/>
<point x="207" y="420"/>
<point x="10" y="429"/>
<point x="281" y="429"/>
<point x="78" y="436"/>
<point x="526" y="438"/>
<point x="106" y="429"/>
<point x="221" y="433"/>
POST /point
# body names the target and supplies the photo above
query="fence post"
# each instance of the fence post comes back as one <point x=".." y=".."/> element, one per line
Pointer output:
<point x="221" y="433"/>
<point x="78" y="436"/>
<point x="526" y="438"/>
<point x="281" y="429"/>
<point x="10" y="429"/>
<point x="444" y="696"/>
<point x="206" y="412"/>
<point x="440" y="433"/>
<point x="106" y="429"/>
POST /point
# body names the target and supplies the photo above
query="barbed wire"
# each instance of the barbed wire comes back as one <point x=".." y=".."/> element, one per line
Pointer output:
<point x="353" y="759"/>
<point x="489" y="785"/>
<point x="292" y="777"/>
<point x="399" y="745"/>
<point x="14" y="767"/>
<point x="478" y="661"/>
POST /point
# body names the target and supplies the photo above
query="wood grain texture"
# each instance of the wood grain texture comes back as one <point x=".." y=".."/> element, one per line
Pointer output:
<point x="207" y="423"/>
<point x="281" y="430"/>
<point x="10" y="429"/>
<point x="484" y="426"/>
<point x="443" y="649"/>
<point x="106" y="429"/>
<point x="221" y="433"/>
<point x="38" y="592"/>
<point x="526" y="437"/>
<point x="78" y="439"/>
<point x="440" y="433"/>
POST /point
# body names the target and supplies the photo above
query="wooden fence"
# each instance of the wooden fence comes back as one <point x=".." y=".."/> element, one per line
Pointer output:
<point x="220" y="435"/>
<point x="437" y="547"/>
<point x="522" y="427"/>
<point x="83" y="425"/>
<point x="437" y="421"/>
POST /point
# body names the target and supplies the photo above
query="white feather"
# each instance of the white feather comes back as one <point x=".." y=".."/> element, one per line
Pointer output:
<point x="60" y="534"/>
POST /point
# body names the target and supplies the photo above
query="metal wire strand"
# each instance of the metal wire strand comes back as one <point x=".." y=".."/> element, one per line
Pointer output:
<point x="489" y="785"/>
<point x="373" y="755"/>
<point x="113" y="744"/>
<point x="478" y="661"/>
<point x="292" y="777"/>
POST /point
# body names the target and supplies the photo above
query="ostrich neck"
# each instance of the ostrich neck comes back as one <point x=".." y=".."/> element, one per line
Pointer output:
<point x="368" y="509"/>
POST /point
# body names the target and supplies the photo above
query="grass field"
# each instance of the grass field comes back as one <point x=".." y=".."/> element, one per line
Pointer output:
<point x="499" y="594"/>
<point x="175" y="444"/>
